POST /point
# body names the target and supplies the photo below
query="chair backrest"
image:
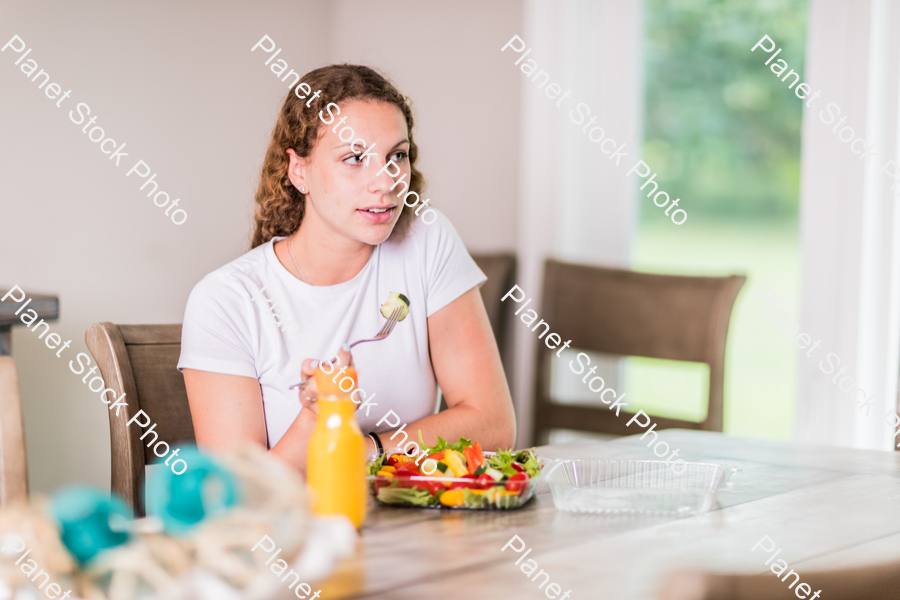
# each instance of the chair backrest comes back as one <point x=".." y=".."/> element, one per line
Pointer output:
<point x="626" y="313"/>
<point x="140" y="361"/>
<point x="501" y="271"/>
<point x="13" y="461"/>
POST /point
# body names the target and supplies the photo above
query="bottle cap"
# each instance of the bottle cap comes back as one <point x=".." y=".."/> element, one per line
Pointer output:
<point x="328" y="387"/>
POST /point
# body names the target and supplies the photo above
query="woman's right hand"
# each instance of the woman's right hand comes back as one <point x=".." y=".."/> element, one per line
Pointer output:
<point x="303" y="426"/>
<point x="309" y="392"/>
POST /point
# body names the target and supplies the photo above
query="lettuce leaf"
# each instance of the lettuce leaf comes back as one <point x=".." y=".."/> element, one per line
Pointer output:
<point x="373" y="467"/>
<point x="508" y="501"/>
<point x="474" y="500"/>
<point x="529" y="461"/>
<point x="502" y="461"/>
<point x="443" y="444"/>
<point x="403" y="495"/>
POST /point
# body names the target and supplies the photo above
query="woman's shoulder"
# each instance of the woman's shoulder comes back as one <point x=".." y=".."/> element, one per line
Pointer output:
<point x="240" y="276"/>
<point x="423" y="233"/>
<point x="219" y="329"/>
<point x="437" y="252"/>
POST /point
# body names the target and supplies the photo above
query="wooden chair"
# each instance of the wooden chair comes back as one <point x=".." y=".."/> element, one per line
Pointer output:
<point x="626" y="313"/>
<point x="501" y="272"/>
<point x="13" y="461"/>
<point x="46" y="307"/>
<point x="140" y="360"/>
<point x="879" y="582"/>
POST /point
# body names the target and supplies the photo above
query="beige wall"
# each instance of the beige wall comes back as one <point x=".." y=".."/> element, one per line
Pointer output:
<point x="178" y="84"/>
<point x="446" y="58"/>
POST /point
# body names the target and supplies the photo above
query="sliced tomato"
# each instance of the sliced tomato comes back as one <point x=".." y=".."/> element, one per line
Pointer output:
<point x="432" y="487"/>
<point x="459" y="485"/>
<point x="484" y="481"/>
<point x="379" y="483"/>
<point x="403" y="480"/>
<point x="517" y="482"/>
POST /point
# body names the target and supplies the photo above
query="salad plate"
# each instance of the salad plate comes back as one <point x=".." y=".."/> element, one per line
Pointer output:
<point x="465" y="478"/>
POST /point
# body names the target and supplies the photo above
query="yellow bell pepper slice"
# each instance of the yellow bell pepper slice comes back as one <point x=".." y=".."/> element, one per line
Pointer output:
<point x="452" y="498"/>
<point x="456" y="463"/>
<point x="388" y="468"/>
<point x="387" y="474"/>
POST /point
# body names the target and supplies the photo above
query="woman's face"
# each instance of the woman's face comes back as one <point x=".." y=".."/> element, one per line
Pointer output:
<point x="345" y="193"/>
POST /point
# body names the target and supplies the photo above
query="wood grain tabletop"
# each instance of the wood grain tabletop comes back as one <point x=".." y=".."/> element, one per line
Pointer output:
<point x="825" y="507"/>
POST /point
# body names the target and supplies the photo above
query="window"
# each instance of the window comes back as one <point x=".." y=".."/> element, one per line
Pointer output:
<point x="723" y="134"/>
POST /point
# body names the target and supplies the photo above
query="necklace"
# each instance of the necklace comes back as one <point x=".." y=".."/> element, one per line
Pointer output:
<point x="296" y="266"/>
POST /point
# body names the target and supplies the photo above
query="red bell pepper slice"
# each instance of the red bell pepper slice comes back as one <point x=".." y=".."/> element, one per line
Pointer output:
<point x="407" y="469"/>
<point x="517" y="467"/>
<point x="474" y="457"/>
<point x="471" y="459"/>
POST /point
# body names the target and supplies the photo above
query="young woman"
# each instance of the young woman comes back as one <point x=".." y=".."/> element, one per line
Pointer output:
<point x="332" y="241"/>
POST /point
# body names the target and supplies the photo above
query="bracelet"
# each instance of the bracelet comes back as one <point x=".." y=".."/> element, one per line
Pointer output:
<point x="378" y="447"/>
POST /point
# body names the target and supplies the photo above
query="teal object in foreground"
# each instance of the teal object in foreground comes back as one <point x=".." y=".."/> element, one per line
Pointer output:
<point x="183" y="501"/>
<point x="90" y="521"/>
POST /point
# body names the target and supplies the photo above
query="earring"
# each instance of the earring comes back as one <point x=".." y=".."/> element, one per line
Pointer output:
<point x="302" y="190"/>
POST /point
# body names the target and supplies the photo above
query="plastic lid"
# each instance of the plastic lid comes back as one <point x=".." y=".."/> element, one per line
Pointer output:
<point x="340" y="385"/>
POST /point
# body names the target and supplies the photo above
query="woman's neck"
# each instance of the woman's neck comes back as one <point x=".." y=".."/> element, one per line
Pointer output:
<point x="324" y="257"/>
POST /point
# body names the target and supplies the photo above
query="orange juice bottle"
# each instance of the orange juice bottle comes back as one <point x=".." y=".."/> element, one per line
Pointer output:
<point x="336" y="455"/>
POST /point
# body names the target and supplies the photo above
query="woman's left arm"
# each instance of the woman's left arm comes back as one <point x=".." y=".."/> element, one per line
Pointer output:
<point x="467" y="366"/>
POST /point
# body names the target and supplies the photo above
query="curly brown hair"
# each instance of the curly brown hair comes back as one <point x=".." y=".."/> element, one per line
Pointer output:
<point x="279" y="205"/>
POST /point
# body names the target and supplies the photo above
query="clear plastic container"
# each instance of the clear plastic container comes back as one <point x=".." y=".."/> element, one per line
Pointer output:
<point x="424" y="491"/>
<point x="634" y="487"/>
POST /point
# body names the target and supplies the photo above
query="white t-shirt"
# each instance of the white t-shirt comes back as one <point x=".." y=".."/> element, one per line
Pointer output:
<point x="253" y="318"/>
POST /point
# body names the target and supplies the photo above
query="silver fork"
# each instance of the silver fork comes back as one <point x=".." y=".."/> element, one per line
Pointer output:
<point x="385" y="331"/>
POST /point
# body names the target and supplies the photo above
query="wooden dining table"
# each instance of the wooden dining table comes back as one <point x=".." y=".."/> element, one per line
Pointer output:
<point x="825" y="507"/>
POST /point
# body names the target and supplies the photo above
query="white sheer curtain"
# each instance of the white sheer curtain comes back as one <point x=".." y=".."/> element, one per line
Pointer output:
<point x="575" y="204"/>
<point x="850" y="225"/>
